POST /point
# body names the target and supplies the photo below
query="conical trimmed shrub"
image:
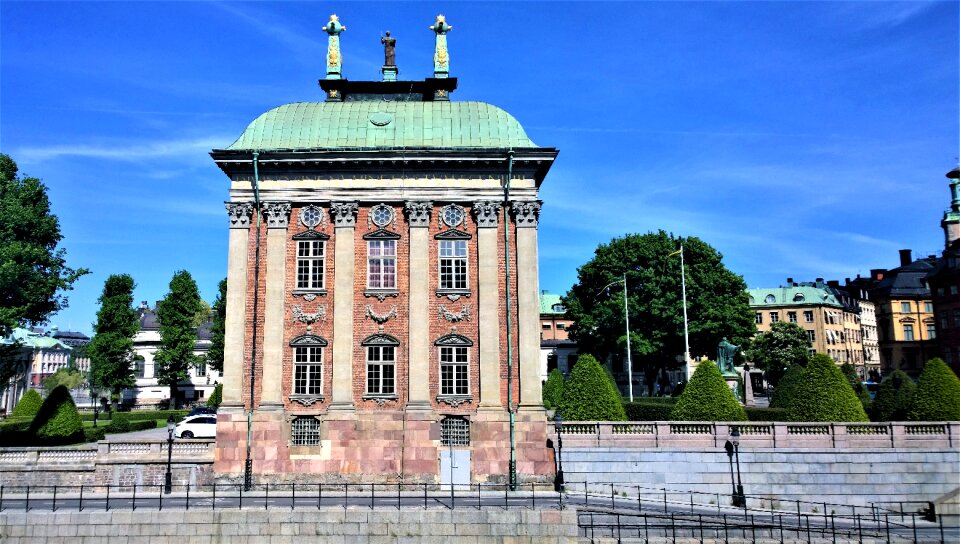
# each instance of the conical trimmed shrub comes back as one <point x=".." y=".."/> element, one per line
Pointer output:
<point x="553" y="389"/>
<point x="786" y="388"/>
<point x="589" y="395"/>
<point x="58" y="421"/>
<point x="216" y="398"/>
<point x="938" y="394"/>
<point x="28" y="406"/>
<point x="862" y="393"/>
<point x="895" y="398"/>
<point x="707" y="398"/>
<point x="824" y="394"/>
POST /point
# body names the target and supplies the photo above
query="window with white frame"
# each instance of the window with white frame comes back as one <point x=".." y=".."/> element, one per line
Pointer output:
<point x="808" y="316"/>
<point x="812" y="335"/>
<point x="305" y="431"/>
<point x="908" y="332"/>
<point x="381" y="370"/>
<point x="774" y="317"/>
<point x="308" y="370"/>
<point x="453" y="264"/>
<point x="454" y="370"/>
<point x="382" y="264"/>
<point x="759" y="318"/>
<point x="310" y="264"/>
<point x="792" y="317"/>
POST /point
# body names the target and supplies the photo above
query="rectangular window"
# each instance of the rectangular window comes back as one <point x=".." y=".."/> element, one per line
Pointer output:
<point x="140" y="368"/>
<point x="907" y="332"/>
<point x="792" y="317"/>
<point x="956" y="318"/>
<point x="759" y="318"/>
<point x="944" y="321"/>
<point x="381" y="364"/>
<point x="953" y="289"/>
<point x="546" y="326"/>
<point x="453" y="264"/>
<point x="382" y="264"/>
<point x="905" y="307"/>
<point x="928" y="307"/>
<point x="305" y="431"/>
<point x="561" y="326"/>
<point x="774" y="317"/>
<point x="201" y="370"/>
<point x="308" y="370"/>
<point x="808" y="316"/>
<point x="310" y="259"/>
<point x="454" y="366"/>
<point x="812" y="335"/>
<point x="931" y="331"/>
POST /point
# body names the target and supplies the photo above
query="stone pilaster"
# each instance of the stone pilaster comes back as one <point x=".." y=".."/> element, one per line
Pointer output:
<point x="236" y="317"/>
<point x="418" y="354"/>
<point x="526" y="216"/>
<point x="277" y="215"/>
<point x="486" y="214"/>
<point x="345" y="222"/>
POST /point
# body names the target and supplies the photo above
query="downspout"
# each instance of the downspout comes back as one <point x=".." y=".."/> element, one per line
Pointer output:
<point x="506" y="279"/>
<point x="248" y="464"/>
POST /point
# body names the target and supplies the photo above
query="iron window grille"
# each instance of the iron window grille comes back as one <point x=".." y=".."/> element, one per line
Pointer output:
<point x="310" y="264"/>
<point x="382" y="264"/>
<point x="305" y="431"/>
<point x="308" y="370"/>
<point x="453" y="264"/>
<point x="454" y="431"/>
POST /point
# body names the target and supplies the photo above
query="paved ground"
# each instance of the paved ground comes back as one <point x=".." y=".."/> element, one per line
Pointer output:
<point x="160" y="433"/>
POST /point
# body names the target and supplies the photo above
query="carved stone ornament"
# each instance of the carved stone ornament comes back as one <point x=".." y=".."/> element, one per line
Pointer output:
<point x="344" y="214"/>
<point x="381" y="294"/>
<point x="454" y="401"/>
<point x="485" y="213"/>
<point x="380" y="400"/>
<point x="309" y="297"/>
<point x="380" y="319"/>
<point x="306" y="400"/>
<point x="278" y="214"/>
<point x="451" y="316"/>
<point x="312" y="217"/>
<point x="239" y="213"/>
<point x="526" y="214"/>
<point x="309" y="319"/>
<point x="418" y="213"/>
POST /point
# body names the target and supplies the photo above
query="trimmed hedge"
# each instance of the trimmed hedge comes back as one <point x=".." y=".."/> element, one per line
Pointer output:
<point x="766" y="414"/>
<point x="938" y="394"/>
<point x="590" y="395"/>
<point x="862" y="393"/>
<point x="140" y="415"/>
<point x="707" y="398"/>
<point x="217" y="396"/>
<point x="786" y="387"/>
<point x="650" y="409"/>
<point x="824" y="394"/>
<point x="120" y="423"/>
<point x="15" y="425"/>
<point x="894" y="398"/>
<point x="93" y="434"/>
<point x="58" y="421"/>
<point x="552" y="389"/>
<point x="28" y="405"/>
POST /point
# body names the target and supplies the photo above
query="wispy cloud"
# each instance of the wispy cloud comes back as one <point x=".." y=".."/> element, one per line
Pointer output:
<point x="128" y="153"/>
<point x="886" y="15"/>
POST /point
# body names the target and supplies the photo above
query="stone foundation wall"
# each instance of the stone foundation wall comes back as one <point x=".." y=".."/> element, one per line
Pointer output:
<point x="251" y="526"/>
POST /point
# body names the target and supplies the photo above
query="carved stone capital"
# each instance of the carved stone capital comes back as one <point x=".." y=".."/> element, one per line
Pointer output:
<point x="418" y="212"/>
<point x="344" y="214"/>
<point x="239" y="213"/>
<point x="277" y="213"/>
<point x="526" y="214"/>
<point x="485" y="213"/>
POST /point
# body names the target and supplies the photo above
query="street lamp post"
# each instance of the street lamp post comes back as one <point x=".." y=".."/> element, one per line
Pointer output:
<point x="168" y="482"/>
<point x="96" y="411"/>
<point x="558" y="481"/>
<point x="733" y="450"/>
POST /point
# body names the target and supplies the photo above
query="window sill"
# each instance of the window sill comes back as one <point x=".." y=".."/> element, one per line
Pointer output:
<point x="455" y="400"/>
<point x="380" y="399"/>
<point x="306" y="400"/>
<point x="453" y="294"/>
<point x="381" y="293"/>
<point x="309" y="294"/>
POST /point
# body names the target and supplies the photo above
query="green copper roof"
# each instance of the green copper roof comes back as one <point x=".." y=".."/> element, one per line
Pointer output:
<point x="377" y="123"/>
<point x="549" y="303"/>
<point x="30" y="339"/>
<point x="802" y="295"/>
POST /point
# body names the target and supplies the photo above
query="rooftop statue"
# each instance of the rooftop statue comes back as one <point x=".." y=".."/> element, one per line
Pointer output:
<point x="725" y="353"/>
<point x="334" y="58"/>
<point x="389" y="50"/>
<point x="441" y="59"/>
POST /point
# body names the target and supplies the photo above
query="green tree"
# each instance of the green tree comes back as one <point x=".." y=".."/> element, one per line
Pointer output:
<point x="28" y="405"/>
<point x="216" y="398"/>
<point x="111" y="349"/>
<point x="707" y="398"/>
<point x="553" y="389"/>
<point x="824" y="394"/>
<point x="178" y="334"/>
<point x="862" y="393"/>
<point x="33" y="271"/>
<point x="589" y="395"/>
<point x="214" y="356"/>
<point x="894" y="398"/>
<point x="783" y="346"/>
<point x="938" y="394"/>
<point x="717" y="303"/>
<point x="58" y="421"/>
<point x="67" y="377"/>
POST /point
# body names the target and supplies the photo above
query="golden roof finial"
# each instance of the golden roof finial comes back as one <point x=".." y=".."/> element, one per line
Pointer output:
<point x="334" y="18"/>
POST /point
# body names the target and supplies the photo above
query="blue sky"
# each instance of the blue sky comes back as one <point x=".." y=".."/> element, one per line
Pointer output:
<point x="800" y="139"/>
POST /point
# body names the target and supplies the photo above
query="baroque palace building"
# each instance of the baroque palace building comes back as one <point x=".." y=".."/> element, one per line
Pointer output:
<point x="382" y="300"/>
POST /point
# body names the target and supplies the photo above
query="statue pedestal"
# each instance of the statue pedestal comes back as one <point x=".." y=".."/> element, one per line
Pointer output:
<point x="389" y="72"/>
<point x="733" y="382"/>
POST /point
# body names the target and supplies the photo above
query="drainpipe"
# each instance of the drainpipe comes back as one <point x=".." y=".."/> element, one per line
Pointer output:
<point x="506" y="279"/>
<point x="248" y="464"/>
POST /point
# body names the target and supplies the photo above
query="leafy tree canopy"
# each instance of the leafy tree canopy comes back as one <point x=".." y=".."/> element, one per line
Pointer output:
<point x="178" y="334"/>
<point x="590" y="395"/>
<point x="111" y="349"/>
<point x="783" y="346"/>
<point x="717" y="303"/>
<point x="707" y="398"/>
<point x="938" y="394"/>
<point x="214" y="356"/>
<point x="67" y="377"/>
<point x="824" y="394"/>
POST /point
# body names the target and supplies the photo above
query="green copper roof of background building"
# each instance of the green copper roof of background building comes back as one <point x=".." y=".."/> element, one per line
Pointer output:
<point x="32" y="340"/>
<point x="801" y="295"/>
<point x="549" y="304"/>
<point x="381" y="124"/>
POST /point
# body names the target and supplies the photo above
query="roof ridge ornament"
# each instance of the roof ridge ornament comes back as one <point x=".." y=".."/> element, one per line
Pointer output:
<point x="441" y="58"/>
<point x="334" y="58"/>
<point x="389" y="68"/>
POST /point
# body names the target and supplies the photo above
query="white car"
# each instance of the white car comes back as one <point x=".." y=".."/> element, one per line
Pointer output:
<point x="199" y="426"/>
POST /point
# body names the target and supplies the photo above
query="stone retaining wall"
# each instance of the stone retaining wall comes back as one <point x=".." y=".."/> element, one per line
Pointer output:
<point x="286" y="527"/>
